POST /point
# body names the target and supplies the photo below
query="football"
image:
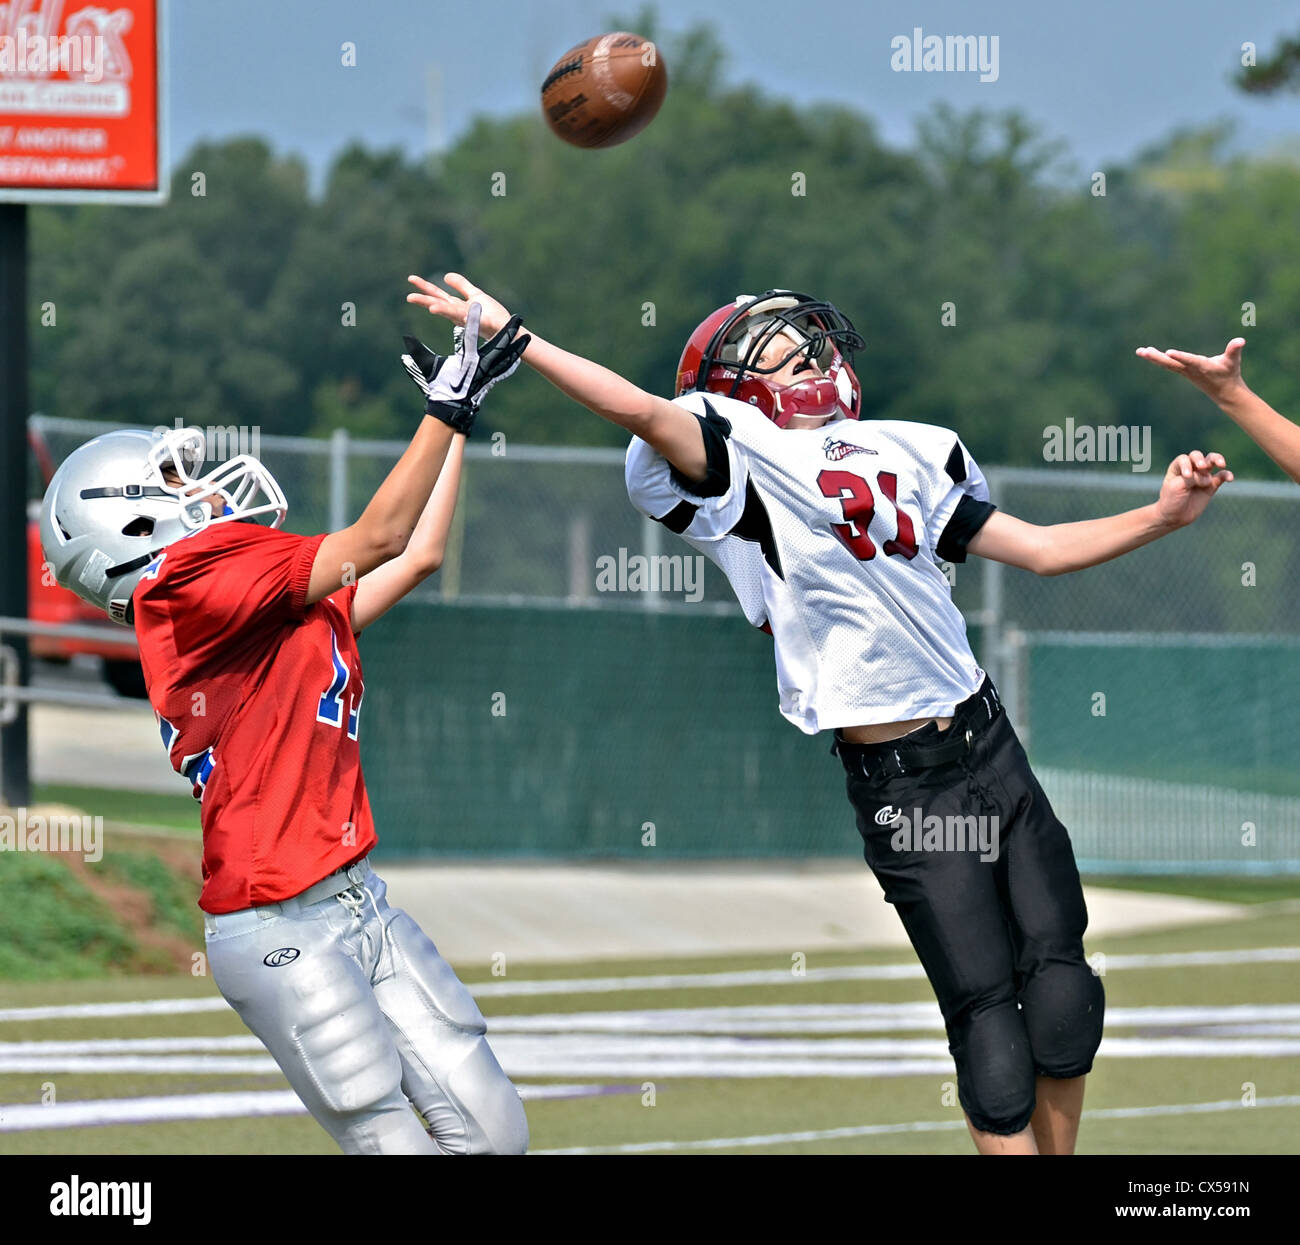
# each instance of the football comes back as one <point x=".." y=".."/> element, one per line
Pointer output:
<point x="605" y="90"/>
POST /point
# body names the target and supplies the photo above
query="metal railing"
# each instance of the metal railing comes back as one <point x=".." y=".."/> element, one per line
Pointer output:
<point x="13" y="693"/>
<point x="533" y="521"/>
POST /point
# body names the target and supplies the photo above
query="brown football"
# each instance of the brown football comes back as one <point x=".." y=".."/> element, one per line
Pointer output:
<point x="605" y="90"/>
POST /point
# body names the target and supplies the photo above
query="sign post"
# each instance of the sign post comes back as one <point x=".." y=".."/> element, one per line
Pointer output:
<point x="14" y="786"/>
<point x="81" y="121"/>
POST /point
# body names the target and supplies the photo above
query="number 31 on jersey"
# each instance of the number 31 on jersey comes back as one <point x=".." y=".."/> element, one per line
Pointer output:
<point x="858" y="504"/>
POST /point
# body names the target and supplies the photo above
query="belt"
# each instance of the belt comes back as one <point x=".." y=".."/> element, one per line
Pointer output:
<point x="897" y="756"/>
<point x="225" y="923"/>
<point x="335" y="883"/>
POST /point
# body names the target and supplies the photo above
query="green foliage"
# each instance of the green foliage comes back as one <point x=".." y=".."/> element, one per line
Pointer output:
<point x="1278" y="72"/>
<point x="51" y="926"/>
<point x="129" y="808"/>
<point x="172" y="898"/>
<point x="260" y="303"/>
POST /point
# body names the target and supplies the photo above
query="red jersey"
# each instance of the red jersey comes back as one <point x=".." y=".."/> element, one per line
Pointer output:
<point x="258" y="697"/>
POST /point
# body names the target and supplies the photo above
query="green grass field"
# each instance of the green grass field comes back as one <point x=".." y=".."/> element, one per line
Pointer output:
<point x="1137" y="1102"/>
<point x="132" y="808"/>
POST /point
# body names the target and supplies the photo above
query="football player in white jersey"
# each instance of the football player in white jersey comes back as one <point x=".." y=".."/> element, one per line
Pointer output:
<point x="831" y="529"/>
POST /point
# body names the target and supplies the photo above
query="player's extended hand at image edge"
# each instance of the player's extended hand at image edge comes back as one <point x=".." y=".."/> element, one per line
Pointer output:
<point x="1219" y="378"/>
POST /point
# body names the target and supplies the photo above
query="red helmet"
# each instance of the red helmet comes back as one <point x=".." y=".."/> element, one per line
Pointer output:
<point x="722" y="356"/>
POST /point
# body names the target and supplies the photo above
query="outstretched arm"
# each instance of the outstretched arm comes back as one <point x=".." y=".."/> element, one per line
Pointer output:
<point x="379" y="591"/>
<point x="1190" y="482"/>
<point x="670" y="429"/>
<point x="1220" y="378"/>
<point x="385" y="526"/>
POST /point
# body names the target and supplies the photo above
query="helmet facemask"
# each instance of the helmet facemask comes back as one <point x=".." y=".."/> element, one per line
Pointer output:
<point x="178" y="457"/>
<point x="815" y="329"/>
<point x="118" y="501"/>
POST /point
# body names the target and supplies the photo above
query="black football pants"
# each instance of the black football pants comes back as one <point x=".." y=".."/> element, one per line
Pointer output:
<point x="999" y="932"/>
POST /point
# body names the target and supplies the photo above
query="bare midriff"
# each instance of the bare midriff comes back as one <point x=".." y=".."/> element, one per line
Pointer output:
<point x="880" y="732"/>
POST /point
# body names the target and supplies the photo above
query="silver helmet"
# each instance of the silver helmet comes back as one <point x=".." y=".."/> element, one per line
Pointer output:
<point x="121" y="499"/>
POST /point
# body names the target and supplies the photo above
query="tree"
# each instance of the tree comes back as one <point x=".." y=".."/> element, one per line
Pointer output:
<point x="1279" y="72"/>
<point x="997" y="288"/>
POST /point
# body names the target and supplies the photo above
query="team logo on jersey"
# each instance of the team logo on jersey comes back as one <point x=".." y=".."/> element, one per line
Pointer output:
<point x="278" y="959"/>
<point x="837" y="450"/>
<point x="888" y="815"/>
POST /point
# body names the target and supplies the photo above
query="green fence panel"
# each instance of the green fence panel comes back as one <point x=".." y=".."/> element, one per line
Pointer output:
<point x="557" y="732"/>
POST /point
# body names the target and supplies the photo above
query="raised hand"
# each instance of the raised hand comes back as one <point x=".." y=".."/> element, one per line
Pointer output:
<point x="455" y="385"/>
<point x="1218" y="376"/>
<point x="1190" y="482"/>
<point x="439" y="302"/>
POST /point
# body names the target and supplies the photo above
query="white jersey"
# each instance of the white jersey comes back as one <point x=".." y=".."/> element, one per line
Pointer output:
<point x="832" y="538"/>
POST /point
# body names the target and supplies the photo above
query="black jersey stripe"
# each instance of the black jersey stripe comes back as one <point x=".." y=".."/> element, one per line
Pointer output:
<point x="754" y="524"/>
<point x="679" y="518"/>
<point x="715" y="429"/>
<point x="956" y="464"/>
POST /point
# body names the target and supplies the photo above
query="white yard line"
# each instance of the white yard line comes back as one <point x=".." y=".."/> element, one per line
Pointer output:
<point x="24" y="1117"/>
<point x="664" y="1056"/>
<point x="604" y="1054"/>
<point x="28" y="1116"/>
<point x="807" y="1018"/>
<point x="88" y="1011"/>
<point x="852" y="972"/>
<point x="675" y="981"/>
<point x="131" y="1046"/>
<point x="163" y="1065"/>
<point x="538" y="1058"/>
<point x="596" y="1030"/>
<point x="919" y="1126"/>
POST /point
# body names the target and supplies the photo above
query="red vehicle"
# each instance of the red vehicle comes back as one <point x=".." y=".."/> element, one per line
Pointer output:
<point x="48" y="603"/>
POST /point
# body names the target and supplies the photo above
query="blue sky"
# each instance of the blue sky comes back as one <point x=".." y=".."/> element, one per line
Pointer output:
<point x="1107" y="76"/>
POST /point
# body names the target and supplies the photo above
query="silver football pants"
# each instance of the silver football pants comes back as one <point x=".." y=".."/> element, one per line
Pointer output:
<point x="366" y="1020"/>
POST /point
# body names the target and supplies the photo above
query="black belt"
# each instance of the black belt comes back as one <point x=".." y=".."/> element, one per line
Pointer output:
<point x="899" y="756"/>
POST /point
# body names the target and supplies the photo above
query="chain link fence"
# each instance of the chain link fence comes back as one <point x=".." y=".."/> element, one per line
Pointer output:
<point x="1156" y="695"/>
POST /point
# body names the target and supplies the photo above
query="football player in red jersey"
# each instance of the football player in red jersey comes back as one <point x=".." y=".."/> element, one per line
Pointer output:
<point x="830" y="528"/>
<point x="248" y="638"/>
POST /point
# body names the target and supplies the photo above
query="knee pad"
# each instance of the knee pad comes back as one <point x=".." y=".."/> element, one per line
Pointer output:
<point x="995" y="1068"/>
<point x="501" y="1127"/>
<point x="477" y="1109"/>
<point x="431" y="978"/>
<point x="1064" y="1007"/>
<point x="344" y="1044"/>
<point x="451" y="1074"/>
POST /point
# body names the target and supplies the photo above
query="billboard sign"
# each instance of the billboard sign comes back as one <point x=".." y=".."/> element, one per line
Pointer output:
<point x="81" y="109"/>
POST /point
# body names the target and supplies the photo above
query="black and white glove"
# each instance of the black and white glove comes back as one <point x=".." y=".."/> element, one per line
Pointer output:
<point x="455" y="385"/>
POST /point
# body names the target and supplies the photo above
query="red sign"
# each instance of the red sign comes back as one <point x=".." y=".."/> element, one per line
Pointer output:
<point x="80" y="105"/>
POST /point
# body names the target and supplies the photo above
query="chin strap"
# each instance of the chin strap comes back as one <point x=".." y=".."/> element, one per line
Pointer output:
<point x="815" y="398"/>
